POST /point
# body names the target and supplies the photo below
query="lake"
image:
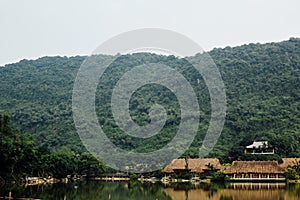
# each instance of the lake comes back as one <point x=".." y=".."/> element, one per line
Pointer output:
<point x="135" y="190"/>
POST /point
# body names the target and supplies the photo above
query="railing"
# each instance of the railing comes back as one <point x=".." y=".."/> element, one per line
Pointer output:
<point x="258" y="179"/>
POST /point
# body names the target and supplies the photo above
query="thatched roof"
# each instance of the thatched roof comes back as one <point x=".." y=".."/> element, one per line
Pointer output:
<point x="196" y="165"/>
<point x="289" y="161"/>
<point x="203" y="164"/>
<point x="255" y="167"/>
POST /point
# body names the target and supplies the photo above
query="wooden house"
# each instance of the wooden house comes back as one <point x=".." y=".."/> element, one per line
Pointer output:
<point x="255" y="171"/>
<point x="192" y="166"/>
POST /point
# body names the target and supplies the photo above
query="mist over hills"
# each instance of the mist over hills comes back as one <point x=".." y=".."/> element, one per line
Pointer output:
<point x="262" y="83"/>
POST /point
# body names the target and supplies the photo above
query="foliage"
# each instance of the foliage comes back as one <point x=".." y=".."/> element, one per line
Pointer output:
<point x="226" y="164"/>
<point x="20" y="157"/>
<point x="263" y="99"/>
<point x="261" y="157"/>
<point x="134" y="177"/>
<point x="186" y="176"/>
<point x="210" y="166"/>
<point x="293" y="172"/>
<point x="219" y="176"/>
<point x="15" y="150"/>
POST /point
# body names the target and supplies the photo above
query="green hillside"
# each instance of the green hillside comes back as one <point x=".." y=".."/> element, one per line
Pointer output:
<point x="262" y="86"/>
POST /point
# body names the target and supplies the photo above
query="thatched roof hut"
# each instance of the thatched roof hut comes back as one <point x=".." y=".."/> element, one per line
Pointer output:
<point x="196" y="165"/>
<point x="254" y="167"/>
<point x="289" y="161"/>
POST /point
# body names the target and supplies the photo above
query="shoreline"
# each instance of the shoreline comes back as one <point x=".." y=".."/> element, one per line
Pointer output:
<point x="42" y="181"/>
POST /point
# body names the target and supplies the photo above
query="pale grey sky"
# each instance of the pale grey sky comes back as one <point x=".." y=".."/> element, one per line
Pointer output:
<point x="35" y="28"/>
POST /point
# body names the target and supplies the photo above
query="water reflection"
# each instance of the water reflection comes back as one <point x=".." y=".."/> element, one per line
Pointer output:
<point x="137" y="190"/>
<point x="236" y="191"/>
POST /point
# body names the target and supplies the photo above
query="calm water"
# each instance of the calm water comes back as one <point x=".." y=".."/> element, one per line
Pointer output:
<point x="136" y="190"/>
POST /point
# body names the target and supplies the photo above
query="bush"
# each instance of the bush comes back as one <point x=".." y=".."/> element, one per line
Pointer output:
<point x="186" y="176"/>
<point x="291" y="173"/>
<point x="219" y="176"/>
<point x="134" y="177"/>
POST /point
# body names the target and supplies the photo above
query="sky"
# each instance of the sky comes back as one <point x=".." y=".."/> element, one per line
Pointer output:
<point x="30" y="29"/>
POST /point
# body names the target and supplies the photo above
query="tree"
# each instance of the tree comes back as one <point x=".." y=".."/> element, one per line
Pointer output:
<point x="293" y="172"/>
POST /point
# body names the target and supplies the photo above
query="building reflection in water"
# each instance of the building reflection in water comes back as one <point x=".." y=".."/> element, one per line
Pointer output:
<point x="234" y="191"/>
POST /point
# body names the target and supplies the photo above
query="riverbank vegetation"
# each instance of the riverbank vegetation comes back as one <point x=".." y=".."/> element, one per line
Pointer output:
<point x="21" y="157"/>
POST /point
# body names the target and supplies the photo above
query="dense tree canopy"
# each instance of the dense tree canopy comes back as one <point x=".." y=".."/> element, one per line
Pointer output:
<point x="262" y="86"/>
<point x="20" y="157"/>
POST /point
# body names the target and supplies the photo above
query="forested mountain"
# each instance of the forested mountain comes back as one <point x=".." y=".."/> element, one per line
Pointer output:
<point x="262" y="86"/>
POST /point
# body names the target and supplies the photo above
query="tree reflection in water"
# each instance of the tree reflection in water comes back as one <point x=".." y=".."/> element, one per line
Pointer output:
<point x="136" y="190"/>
